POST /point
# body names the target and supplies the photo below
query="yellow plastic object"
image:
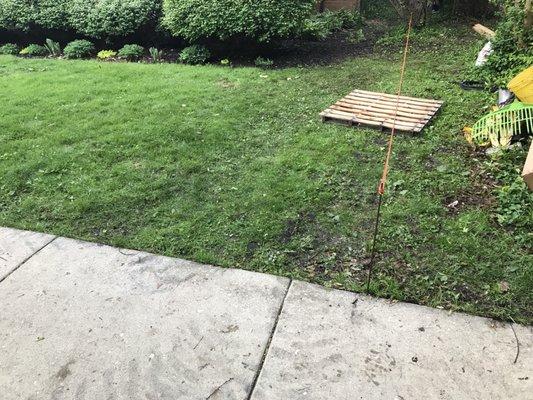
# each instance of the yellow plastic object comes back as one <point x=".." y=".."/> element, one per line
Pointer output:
<point x="522" y="86"/>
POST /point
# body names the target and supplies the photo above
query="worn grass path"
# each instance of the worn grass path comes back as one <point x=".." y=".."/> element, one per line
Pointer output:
<point x="232" y="166"/>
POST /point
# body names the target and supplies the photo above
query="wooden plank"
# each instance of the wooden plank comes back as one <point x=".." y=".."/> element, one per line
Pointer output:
<point x="390" y="106"/>
<point x="403" y="111"/>
<point x="383" y="111"/>
<point x="374" y="113"/>
<point x="484" y="31"/>
<point x="367" y="120"/>
<point x="395" y="97"/>
<point x="392" y="101"/>
<point x="527" y="172"/>
<point x="379" y="118"/>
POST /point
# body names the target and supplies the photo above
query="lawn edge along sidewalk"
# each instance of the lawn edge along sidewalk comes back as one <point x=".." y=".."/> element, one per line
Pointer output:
<point x="86" y="320"/>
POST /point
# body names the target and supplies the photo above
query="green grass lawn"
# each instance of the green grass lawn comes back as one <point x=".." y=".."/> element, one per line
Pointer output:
<point x="232" y="166"/>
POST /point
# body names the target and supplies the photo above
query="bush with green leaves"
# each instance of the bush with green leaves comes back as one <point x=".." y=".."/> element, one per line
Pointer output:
<point x="322" y="25"/>
<point x="512" y="46"/>
<point x="51" y="14"/>
<point x="113" y="18"/>
<point x="34" y="50"/>
<point x="23" y="14"/>
<point x="106" y="54"/>
<point x="131" y="52"/>
<point x="350" y="19"/>
<point x="259" y="20"/>
<point x="16" y="14"/>
<point x="10" y="49"/>
<point x="264" y="63"/>
<point x="54" y="48"/>
<point x="194" y="55"/>
<point x="514" y="199"/>
<point x="79" y="49"/>
<point x="155" y="54"/>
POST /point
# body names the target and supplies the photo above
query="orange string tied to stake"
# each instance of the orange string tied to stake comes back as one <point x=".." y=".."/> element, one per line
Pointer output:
<point x="383" y="181"/>
<point x="386" y="167"/>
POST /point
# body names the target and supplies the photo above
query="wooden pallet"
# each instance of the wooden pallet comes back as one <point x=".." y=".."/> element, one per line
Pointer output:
<point x="378" y="109"/>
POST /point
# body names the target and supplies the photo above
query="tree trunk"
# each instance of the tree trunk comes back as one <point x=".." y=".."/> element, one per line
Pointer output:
<point x="528" y="23"/>
<point x="415" y="8"/>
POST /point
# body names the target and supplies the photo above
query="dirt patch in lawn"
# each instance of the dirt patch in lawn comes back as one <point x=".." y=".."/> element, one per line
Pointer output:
<point x="336" y="48"/>
<point x="478" y="194"/>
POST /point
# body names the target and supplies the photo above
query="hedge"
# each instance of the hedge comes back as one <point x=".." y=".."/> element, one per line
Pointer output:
<point x="192" y="20"/>
<point x="16" y="14"/>
<point x="261" y="20"/>
<point x="51" y="14"/>
<point x="113" y="18"/>
<point x="92" y="18"/>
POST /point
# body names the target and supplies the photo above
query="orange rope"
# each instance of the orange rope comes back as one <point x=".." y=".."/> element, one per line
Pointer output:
<point x="383" y="181"/>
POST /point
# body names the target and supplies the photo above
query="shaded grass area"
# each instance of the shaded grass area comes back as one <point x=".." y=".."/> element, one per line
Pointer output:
<point x="233" y="167"/>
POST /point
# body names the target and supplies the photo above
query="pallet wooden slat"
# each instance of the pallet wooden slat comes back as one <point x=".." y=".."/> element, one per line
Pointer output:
<point x="362" y="107"/>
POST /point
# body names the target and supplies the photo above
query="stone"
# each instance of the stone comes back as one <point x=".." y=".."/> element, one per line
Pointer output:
<point x="85" y="321"/>
<point x="331" y="344"/>
<point x="17" y="246"/>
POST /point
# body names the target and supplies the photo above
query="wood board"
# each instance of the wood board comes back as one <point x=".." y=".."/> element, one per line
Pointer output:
<point x="378" y="110"/>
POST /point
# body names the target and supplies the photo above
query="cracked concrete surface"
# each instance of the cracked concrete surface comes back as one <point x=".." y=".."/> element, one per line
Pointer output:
<point x="85" y="321"/>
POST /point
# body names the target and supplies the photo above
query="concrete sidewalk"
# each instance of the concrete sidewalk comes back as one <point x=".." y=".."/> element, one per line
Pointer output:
<point x="85" y="321"/>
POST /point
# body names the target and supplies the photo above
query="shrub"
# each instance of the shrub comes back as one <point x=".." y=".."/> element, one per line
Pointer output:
<point x="514" y="199"/>
<point x="9" y="48"/>
<point x="265" y="63"/>
<point x="34" y="50"/>
<point x="79" y="49"/>
<point x="315" y="28"/>
<point x="260" y="20"/>
<point x="195" y="54"/>
<point x="131" y="52"/>
<point x="512" y="47"/>
<point x="54" y="49"/>
<point x="106" y="54"/>
<point x="156" y="54"/>
<point x="95" y="18"/>
<point x="113" y="18"/>
<point x="356" y="36"/>
<point x="322" y="25"/>
<point x="16" y="14"/>
<point x="51" y="14"/>
<point x="349" y="19"/>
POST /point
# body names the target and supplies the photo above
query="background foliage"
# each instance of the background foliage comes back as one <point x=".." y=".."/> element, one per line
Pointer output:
<point x="16" y="14"/>
<point x="513" y="44"/>
<point x="192" y="20"/>
<point x="113" y="18"/>
<point x="262" y="20"/>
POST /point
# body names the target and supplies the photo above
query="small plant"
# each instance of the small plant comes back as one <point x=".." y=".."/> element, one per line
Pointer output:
<point x="514" y="199"/>
<point x="54" y="48"/>
<point x="356" y="36"/>
<point x="10" y="49"/>
<point x="264" y="63"/>
<point x="106" y="54"/>
<point x="195" y="54"/>
<point x="131" y="52"/>
<point x="349" y="19"/>
<point x="321" y="26"/>
<point x="34" y="50"/>
<point x="156" y="54"/>
<point x="79" y="49"/>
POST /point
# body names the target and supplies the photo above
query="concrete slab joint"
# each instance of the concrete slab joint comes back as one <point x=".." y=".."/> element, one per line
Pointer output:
<point x="16" y="247"/>
<point x="85" y="321"/>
